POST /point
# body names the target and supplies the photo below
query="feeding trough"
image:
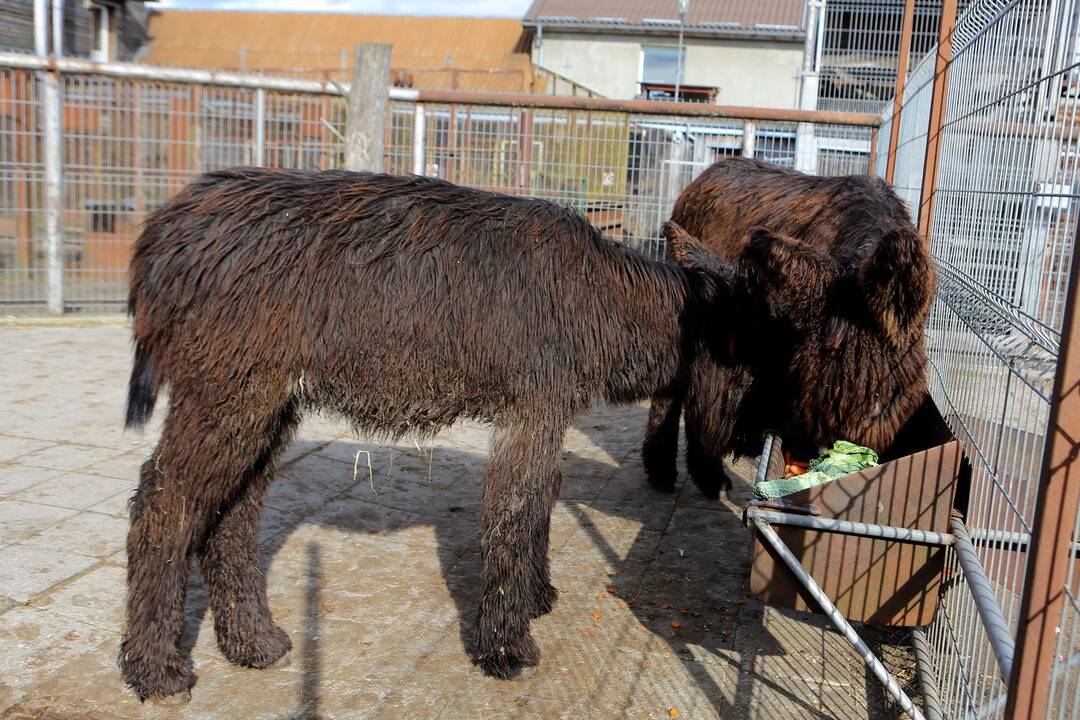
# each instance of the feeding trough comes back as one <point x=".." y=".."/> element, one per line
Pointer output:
<point x="867" y="547"/>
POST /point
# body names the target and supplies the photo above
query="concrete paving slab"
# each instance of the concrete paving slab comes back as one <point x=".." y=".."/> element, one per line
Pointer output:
<point x="26" y="571"/>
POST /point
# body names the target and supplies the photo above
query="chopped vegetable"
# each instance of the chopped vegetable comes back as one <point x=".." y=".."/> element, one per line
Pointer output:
<point x="843" y="459"/>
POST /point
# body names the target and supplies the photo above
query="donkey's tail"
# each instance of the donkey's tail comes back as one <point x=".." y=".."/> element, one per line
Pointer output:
<point x="142" y="389"/>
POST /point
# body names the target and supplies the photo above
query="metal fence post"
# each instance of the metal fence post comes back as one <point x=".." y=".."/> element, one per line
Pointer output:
<point x="260" y="127"/>
<point x="901" y="79"/>
<point x="749" y="136"/>
<point x="419" y="140"/>
<point x="54" y="193"/>
<point x="1050" y="552"/>
<point x="366" y="121"/>
<point x="938" y="101"/>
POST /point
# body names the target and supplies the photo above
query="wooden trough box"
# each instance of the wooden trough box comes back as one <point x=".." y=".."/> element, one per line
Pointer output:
<point x="870" y="580"/>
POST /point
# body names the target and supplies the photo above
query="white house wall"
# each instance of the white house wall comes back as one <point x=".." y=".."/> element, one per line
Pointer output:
<point x="747" y="72"/>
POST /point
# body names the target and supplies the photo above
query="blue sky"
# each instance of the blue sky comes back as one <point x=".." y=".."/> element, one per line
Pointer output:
<point x="489" y="8"/>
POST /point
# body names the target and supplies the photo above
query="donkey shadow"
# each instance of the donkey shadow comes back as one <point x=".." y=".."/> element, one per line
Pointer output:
<point x="682" y="572"/>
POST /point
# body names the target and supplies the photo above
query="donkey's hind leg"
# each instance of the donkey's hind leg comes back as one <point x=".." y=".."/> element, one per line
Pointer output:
<point x="521" y="484"/>
<point x="208" y="449"/>
<point x="229" y="559"/>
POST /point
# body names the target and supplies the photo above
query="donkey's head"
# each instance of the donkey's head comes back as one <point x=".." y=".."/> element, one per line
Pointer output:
<point x="852" y="323"/>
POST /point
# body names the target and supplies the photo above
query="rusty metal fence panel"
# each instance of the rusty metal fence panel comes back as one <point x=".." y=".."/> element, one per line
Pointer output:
<point x="129" y="143"/>
<point x="1003" y="230"/>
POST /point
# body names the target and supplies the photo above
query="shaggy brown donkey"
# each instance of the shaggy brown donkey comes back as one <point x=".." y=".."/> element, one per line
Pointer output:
<point x="835" y="286"/>
<point x="402" y="304"/>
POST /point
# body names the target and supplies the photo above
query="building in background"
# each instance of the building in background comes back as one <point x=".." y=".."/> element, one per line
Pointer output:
<point x="855" y="65"/>
<point x="445" y="53"/>
<point x="102" y="30"/>
<point x="734" y="52"/>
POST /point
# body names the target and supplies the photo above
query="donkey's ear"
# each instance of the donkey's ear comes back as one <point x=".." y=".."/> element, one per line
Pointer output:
<point x="897" y="281"/>
<point x="794" y="276"/>
<point x="688" y="251"/>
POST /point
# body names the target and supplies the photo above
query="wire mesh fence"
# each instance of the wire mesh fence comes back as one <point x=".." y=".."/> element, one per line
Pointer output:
<point x="129" y="144"/>
<point x="1003" y="226"/>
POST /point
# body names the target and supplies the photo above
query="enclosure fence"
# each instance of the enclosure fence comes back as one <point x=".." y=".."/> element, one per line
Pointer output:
<point x="114" y="142"/>
<point x="985" y="155"/>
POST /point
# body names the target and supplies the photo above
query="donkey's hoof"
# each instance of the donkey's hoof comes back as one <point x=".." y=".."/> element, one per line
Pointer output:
<point x="181" y="698"/>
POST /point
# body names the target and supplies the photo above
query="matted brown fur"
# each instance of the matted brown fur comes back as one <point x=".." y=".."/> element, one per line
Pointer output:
<point x="402" y="304"/>
<point x="828" y="341"/>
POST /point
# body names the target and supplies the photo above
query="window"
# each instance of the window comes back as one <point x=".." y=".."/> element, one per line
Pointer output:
<point x="102" y="34"/>
<point x="659" y="65"/>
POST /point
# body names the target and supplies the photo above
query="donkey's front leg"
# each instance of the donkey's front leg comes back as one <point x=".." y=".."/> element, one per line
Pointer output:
<point x="521" y="485"/>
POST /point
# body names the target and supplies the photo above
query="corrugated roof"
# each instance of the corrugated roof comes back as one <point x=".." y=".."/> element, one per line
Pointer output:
<point x="765" y="17"/>
<point x="435" y="52"/>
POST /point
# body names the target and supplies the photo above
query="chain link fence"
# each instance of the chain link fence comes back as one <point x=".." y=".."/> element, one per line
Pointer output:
<point x="1002" y="221"/>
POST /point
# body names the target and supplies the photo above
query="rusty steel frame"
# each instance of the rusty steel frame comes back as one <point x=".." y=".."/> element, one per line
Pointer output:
<point x="901" y="79"/>
<point x="1050" y="552"/>
<point x="937" y="115"/>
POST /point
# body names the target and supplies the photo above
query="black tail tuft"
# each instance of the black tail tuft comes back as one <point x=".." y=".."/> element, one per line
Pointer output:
<point x="142" y="389"/>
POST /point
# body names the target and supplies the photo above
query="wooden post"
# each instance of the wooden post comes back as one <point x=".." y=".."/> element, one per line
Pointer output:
<point x="938" y="102"/>
<point x="366" y="120"/>
<point x="901" y="79"/>
<point x="749" y="138"/>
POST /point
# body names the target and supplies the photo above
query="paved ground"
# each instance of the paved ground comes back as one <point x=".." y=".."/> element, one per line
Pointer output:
<point x="376" y="580"/>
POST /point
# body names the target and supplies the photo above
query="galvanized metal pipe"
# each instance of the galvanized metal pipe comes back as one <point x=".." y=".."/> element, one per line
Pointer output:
<point x="986" y="602"/>
<point x="927" y="679"/>
<point x="54" y="194"/>
<point x="838" y="620"/>
<point x="419" y="139"/>
<point x="41" y="28"/>
<point x="260" y="127"/>
<point x="766" y="455"/>
<point x="848" y="527"/>
<point x="58" y="27"/>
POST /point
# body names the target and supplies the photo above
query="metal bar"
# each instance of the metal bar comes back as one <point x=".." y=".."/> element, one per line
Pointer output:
<point x="749" y="138"/>
<point x="871" y="157"/>
<point x="647" y="107"/>
<point x="847" y="527"/>
<point x="763" y="464"/>
<point x="260" y="127"/>
<point x="58" y="27"/>
<point x="54" y="194"/>
<point x="41" y="27"/>
<point x="418" y="140"/>
<point x="838" y="620"/>
<point x="927" y="681"/>
<point x="1050" y="551"/>
<point x="901" y="78"/>
<point x="986" y="602"/>
<point x="938" y="101"/>
<point x="135" y="71"/>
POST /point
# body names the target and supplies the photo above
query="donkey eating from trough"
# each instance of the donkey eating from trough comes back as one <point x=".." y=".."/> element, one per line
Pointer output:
<point x="402" y="304"/>
<point x="837" y="286"/>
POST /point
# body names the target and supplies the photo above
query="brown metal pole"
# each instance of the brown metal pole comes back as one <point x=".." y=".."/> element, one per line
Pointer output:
<point x="1050" y="552"/>
<point x="901" y="79"/>
<point x="938" y="102"/>
<point x="646" y="107"/>
<point x="871" y="159"/>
